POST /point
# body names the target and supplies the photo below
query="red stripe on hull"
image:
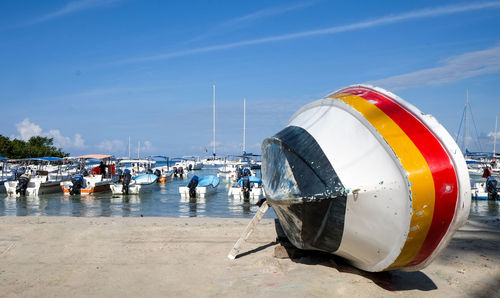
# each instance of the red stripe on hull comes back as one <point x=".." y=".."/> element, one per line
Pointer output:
<point x="440" y="164"/>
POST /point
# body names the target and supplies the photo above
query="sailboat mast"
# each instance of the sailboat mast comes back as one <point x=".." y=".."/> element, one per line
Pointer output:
<point x="129" y="147"/>
<point x="213" y="141"/>
<point x="138" y="149"/>
<point x="244" y="123"/>
<point x="466" y="124"/>
<point x="495" y="137"/>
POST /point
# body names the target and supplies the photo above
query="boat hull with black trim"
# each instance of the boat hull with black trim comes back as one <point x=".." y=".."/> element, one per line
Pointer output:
<point x="366" y="176"/>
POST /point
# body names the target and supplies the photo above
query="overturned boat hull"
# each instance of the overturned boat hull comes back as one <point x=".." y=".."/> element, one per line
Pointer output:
<point x="365" y="175"/>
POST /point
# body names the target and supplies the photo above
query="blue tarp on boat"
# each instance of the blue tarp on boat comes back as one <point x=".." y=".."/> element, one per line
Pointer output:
<point x="145" y="178"/>
<point x="207" y="180"/>
<point x="44" y="158"/>
<point x="252" y="179"/>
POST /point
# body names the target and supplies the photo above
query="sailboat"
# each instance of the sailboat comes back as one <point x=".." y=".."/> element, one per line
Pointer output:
<point x="213" y="160"/>
<point x="476" y="160"/>
<point x="480" y="188"/>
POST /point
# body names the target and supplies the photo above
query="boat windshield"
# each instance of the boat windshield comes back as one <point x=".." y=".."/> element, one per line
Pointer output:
<point x="295" y="167"/>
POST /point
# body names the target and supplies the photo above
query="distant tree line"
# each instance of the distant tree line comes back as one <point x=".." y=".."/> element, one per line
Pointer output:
<point x="34" y="147"/>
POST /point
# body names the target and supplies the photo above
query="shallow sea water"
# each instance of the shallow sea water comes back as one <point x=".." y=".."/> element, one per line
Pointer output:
<point x="164" y="200"/>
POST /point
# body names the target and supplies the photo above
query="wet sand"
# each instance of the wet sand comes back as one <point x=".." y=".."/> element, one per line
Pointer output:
<point x="186" y="257"/>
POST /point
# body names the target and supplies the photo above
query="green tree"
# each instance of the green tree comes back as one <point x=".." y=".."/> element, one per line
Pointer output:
<point x="5" y="146"/>
<point x="35" y="147"/>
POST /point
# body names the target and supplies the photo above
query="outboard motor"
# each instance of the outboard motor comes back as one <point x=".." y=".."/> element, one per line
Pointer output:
<point x="491" y="187"/>
<point x="239" y="174"/>
<point x="149" y="171"/>
<point x="119" y="172"/>
<point x="22" y="184"/>
<point x="190" y="167"/>
<point x="127" y="177"/>
<point x="192" y="186"/>
<point x="77" y="184"/>
<point x="246" y="172"/>
<point x="157" y="173"/>
<point x="181" y="172"/>
<point x="176" y="171"/>
<point x="246" y="187"/>
<point x="17" y="173"/>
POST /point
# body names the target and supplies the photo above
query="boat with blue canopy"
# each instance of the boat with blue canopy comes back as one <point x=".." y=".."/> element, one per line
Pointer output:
<point x="200" y="187"/>
<point x="37" y="176"/>
<point x="247" y="188"/>
<point x="134" y="185"/>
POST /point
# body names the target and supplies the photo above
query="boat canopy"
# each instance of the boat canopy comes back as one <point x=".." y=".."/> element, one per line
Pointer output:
<point x="122" y="161"/>
<point x="92" y="156"/>
<point x="252" y="179"/>
<point x="44" y="158"/>
<point x="209" y="180"/>
<point x="159" y="156"/>
<point x="145" y="178"/>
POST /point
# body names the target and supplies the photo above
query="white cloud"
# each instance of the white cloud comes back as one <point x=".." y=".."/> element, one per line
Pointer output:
<point x="71" y="8"/>
<point x="234" y="23"/>
<point x="392" y="19"/>
<point x="146" y="146"/>
<point x="79" y="142"/>
<point x="452" y="69"/>
<point x="112" y="146"/>
<point x="28" y="129"/>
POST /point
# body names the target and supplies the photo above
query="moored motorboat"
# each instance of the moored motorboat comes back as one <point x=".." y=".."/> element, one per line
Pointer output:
<point x="93" y="181"/>
<point x="366" y="176"/>
<point x="247" y="188"/>
<point x="486" y="190"/>
<point x="5" y="173"/>
<point x="200" y="187"/>
<point x="136" y="185"/>
<point x="37" y="177"/>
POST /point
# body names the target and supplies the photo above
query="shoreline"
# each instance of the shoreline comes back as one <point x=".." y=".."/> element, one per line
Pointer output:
<point x="155" y="256"/>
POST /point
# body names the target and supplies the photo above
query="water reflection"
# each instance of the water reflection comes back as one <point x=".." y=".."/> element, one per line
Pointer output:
<point x="164" y="200"/>
<point x="485" y="208"/>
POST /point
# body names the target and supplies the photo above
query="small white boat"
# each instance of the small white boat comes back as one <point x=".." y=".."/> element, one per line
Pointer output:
<point x="200" y="187"/>
<point x="179" y="172"/>
<point x="93" y="183"/>
<point x="256" y="192"/>
<point x="138" y="184"/>
<point x="89" y="185"/>
<point x="164" y="174"/>
<point x="234" y="172"/>
<point x="37" y="185"/>
<point x="189" y="163"/>
<point x="40" y="178"/>
<point x="136" y="166"/>
<point x="5" y="173"/>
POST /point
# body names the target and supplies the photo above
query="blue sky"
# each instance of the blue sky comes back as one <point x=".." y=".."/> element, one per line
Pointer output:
<point x="92" y="73"/>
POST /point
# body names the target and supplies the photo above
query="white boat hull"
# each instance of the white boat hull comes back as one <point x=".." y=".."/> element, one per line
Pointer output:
<point x="256" y="193"/>
<point x="201" y="191"/>
<point x="35" y="188"/>
<point x="134" y="189"/>
<point x="93" y="184"/>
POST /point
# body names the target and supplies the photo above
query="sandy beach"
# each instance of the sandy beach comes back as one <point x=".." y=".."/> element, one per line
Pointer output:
<point x="186" y="257"/>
